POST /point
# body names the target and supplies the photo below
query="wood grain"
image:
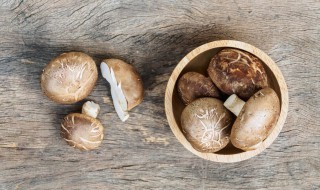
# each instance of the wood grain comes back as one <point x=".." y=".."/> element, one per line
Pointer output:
<point x="153" y="36"/>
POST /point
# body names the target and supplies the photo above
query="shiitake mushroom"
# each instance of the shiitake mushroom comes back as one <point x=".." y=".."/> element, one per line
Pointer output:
<point x="256" y="118"/>
<point x="69" y="78"/>
<point x="83" y="131"/>
<point x="193" y="85"/>
<point x="126" y="85"/>
<point x="235" y="71"/>
<point x="206" y="124"/>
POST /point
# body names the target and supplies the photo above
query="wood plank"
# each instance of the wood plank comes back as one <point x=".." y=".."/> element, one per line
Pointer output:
<point x="153" y="36"/>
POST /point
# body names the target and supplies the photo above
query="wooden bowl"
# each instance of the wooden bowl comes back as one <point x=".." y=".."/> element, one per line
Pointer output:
<point x="198" y="60"/>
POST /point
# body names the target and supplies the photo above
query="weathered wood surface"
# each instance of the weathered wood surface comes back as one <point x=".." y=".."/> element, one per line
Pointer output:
<point x="143" y="153"/>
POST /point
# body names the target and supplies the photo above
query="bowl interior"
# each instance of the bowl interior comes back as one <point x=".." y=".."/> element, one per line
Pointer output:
<point x="200" y="64"/>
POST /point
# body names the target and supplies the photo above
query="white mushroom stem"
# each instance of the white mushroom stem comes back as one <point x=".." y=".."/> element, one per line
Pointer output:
<point x="234" y="104"/>
<point x="91" y="109"/>
<point x="119" y="100"/>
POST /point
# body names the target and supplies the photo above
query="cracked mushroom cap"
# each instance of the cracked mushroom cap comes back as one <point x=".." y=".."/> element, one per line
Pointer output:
<point x="256" y="120"/>
<point x="206" y="124"/>
<point x="193" y="85"/>
<point x="82" y="131"/>
<point x="237" y="72"/>
<point x="69" y="77"/>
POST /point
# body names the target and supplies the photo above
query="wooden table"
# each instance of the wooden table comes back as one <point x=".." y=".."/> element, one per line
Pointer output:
<point x="142" y="153"/>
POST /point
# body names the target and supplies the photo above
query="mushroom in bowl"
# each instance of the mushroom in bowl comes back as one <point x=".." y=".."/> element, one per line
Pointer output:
<point x="255" y="118"/>
<point x="193" y="85"/>
<point x="237" y="72"/>
<point x="206" y="124"/>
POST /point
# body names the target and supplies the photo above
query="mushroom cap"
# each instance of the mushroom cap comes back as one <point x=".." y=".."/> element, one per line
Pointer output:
<point x="82" y="131"/>
<point x="193" y="85"/>
<point x="206" y="124"/>
<point x="131" y="82"/>
<point x="256" y="119"/>
<point x="238" y="72"/>
<point x="69" y="78"/>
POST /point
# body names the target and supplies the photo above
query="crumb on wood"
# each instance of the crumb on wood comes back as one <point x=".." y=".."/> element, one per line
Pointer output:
<point x="8" y="145"/>
<point x="157" y="140"/>
<point x="106" y="100"/>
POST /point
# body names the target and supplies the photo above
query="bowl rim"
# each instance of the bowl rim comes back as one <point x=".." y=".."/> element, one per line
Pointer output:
<point x="226" y="158"/>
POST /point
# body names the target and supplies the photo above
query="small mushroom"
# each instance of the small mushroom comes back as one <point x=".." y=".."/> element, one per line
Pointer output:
<point x="206" y="124"/>
<point x="238" y="72"/>
<point x="256" y="118"/>
<point x="194" y="85"/>
<point x="83" y="131"/>
<point x="69" y="77"/>
<point x="126" y="85"/>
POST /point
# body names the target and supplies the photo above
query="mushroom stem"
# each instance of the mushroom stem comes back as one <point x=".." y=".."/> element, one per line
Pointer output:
<point x="91" y="109"/>
<point x="234" y="104"/>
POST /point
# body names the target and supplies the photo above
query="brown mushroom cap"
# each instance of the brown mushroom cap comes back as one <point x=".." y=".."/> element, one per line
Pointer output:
<point x="131" y="82"/>
<point x="206" y="124"/>
<point x="193" y="85"/>
<point x="256" y="119"/>
<point x="237" y="72"/>
<point x="69" y="77"/>
<point x="82" y="131"/>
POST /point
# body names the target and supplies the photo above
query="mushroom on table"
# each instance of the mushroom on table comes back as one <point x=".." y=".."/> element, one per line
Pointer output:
<point x="69" y="77"/>
<point x="126" y="85"/>
<point x="83" y="131"/>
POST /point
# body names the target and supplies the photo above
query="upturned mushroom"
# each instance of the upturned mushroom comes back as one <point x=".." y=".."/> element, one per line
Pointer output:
<point x="126" y="85"/>
<point x="69" y="77"/>
<point x="256" y="118"/>
<point x="206" y="124"/>
<point x="238" y="72"/>
<point x="83" y="131"/>
<point x="193" y="85"/>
